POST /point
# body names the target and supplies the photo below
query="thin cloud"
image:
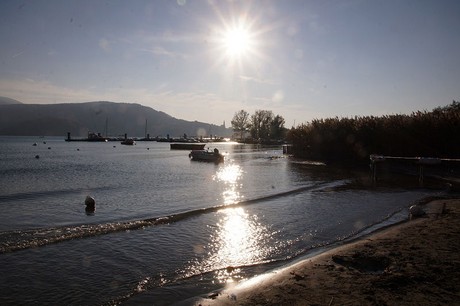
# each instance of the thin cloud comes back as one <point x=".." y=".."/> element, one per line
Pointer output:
<point x="161" y="51"/>
<point x="256" y="80"/>
<point x="18" y="54"/>
<point x="165" y="37"/>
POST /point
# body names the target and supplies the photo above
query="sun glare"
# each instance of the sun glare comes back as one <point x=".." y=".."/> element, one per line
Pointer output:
<point x="237" y="41"/>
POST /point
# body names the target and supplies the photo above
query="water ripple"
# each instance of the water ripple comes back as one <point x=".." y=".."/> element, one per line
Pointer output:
<point x="23" y="239"/>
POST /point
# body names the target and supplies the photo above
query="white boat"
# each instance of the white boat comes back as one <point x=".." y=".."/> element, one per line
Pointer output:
<point x="205" y="155"/>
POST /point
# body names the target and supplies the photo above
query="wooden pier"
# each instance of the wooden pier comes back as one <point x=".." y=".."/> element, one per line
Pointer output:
<point x="450" y="166"/>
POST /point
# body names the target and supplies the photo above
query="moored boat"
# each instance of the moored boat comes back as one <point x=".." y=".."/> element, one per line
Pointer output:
<point x="205" y="155"/>
<point x="92" y="137"/>
<point x="128" y="142"/>
<point x="187" y="146"/>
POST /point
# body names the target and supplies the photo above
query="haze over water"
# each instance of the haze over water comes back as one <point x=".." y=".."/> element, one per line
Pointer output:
<point x="166" y="229"/>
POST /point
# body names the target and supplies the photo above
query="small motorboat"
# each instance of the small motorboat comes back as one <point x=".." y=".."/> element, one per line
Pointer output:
<point x="207" y="156"/>
<point x="128" y="142"/>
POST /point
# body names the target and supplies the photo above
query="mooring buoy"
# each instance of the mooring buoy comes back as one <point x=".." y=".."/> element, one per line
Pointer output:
<point x="90" y="204"/>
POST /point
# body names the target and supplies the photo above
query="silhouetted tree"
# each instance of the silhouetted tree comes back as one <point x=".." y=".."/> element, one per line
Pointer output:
<point x="240" y="122"/>
<point x="261" y="124"/>
<point x="277" y="129"/>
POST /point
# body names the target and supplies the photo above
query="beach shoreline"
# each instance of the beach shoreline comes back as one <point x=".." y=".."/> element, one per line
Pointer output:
<point x="411" y="263"/>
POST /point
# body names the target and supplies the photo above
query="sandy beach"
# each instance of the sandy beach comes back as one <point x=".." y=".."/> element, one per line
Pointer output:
<point x="413" y="263"/>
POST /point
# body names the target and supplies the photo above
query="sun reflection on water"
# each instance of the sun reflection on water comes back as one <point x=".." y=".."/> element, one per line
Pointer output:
<point x="237" y="239"/>
<point x="234" y="238"/>
<point x="230" y="176"/>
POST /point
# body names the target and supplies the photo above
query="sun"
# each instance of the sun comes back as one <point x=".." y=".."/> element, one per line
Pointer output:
<point x="237" y="41"/>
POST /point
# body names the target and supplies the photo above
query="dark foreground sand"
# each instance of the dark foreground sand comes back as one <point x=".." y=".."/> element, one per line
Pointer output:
<point x="414" y="263"/>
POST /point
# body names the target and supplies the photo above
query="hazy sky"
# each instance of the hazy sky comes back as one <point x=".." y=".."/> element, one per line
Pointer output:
<point x="206" y="59"/>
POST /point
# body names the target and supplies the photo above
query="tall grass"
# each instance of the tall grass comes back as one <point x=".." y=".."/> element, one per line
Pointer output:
<point x="433" y="133"/>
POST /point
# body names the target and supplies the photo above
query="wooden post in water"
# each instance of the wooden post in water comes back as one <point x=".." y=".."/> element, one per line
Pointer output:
<point x="420" y="174"/>
<point x="426" y="161"/>
<point x="374" y="160"/>
<point x="287" y="149"/>
<point x="374" y="171"/>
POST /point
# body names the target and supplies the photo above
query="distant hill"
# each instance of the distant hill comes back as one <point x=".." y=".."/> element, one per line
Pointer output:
<point x="5" y="100"/>
<point x="81" y="118"/>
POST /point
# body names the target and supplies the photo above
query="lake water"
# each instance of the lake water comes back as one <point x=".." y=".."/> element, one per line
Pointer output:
<point x="167" y="229"/>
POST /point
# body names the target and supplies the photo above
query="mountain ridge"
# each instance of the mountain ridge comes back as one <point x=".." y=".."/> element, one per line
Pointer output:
<point x="105" y="117"/>
<point x="6" y="100"/>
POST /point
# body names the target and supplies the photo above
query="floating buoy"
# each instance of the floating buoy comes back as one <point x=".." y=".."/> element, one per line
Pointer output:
<point x="90" y="204"/>
<point x="37" y="156"/>
<point x="49" y="148"/>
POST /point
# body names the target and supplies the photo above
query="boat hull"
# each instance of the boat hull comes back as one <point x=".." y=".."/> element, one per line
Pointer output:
<point x="187" y="146"/>
<point x="128" y="142"/>
<point x="206" y="156"/>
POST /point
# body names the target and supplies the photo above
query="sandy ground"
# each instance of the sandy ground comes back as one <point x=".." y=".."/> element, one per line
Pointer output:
<point x="413" y="263"/>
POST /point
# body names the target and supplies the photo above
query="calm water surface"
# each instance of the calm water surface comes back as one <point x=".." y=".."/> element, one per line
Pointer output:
<point x="166" y="229"/>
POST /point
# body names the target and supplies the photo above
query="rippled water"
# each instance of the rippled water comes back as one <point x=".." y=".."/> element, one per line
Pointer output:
<point x="166" y="229"/>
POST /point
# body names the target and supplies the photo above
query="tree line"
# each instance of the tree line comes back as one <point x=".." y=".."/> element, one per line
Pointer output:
<point x="433" y="133"/>
<point x="263" y="126"/>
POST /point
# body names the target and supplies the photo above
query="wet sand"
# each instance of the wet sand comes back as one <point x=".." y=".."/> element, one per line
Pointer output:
<point x="413" y="263"/>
